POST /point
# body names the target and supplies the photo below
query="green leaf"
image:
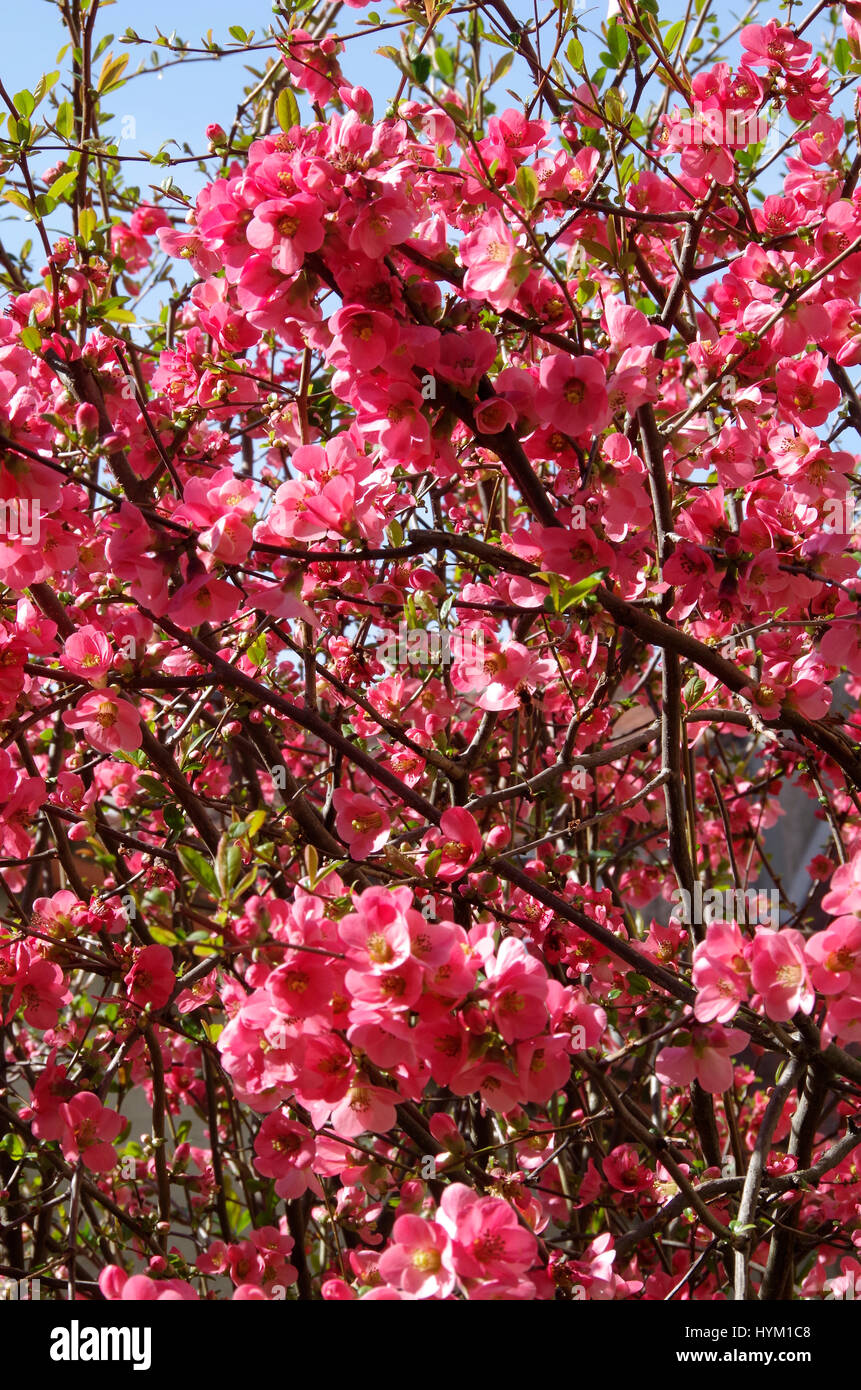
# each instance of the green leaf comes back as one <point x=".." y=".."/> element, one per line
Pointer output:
<point x="421" y="66"/>
<point x="25" y="103"/>
<point x="528" y="187"/>
<point x="44" y="85"/>
<point x="637" y="984"/>
<point x="617" y="41"/>
<point x="444" y="63"/>
<point x="87" y="222"/>
<point x="614" y="106"/>
<point x="65" y="119"/>
<point x="11" y="195"/>
<point x="163" y="936"/>
<point x="175" y="819"/>
<point x="626" y="170"/>
<point x="199" y="867"/>
<point x="842" y="56"/>
<point x="61" y="185"/>
<point x="501" y="68"/>
<point x="673" y="34"/>
<point x="577" y="592"/>
<point x="31" y="338"/>
<point x="151" y="784"/>
<point x="228" y="863"/>
<point x="287" y="109"/>
<point x="237" y="32"/>
<point x="575" y="54"/>
<point x="111" y="73"/>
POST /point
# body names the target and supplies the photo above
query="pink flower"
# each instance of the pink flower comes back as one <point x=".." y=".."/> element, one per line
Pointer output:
<point x="844" y="894"/>
<point x="802" y="391"/>
<point x="362" y="338"/>
<point x="327" y="1067"/>
<point x="624" y="1171"/>
<point x="88" y="1131"/>
<point x="514" y="670"/>
<point x="573" y="554"/>
<point x="707" y="1057"/>
<point x="151" y="979"/>
<point x="115" y="1284"/>
<point x="834" y="957"/>
<point x="573" y="393"/>
<point x="461" y="842"/>
<point x="87" y="653"/>
<point x="774" y="46"/>
<point x="419" y="1260"/>
<point x="843" y="1020"/>
<point x="107" y="722"/>
<point x="721" y="973"/>
<point x="517" y="989"/>
<point x="50" y="1092"/>
<point x="377" y="937"/>
<point x="364" y="1108"/>
<point x="495" y="268"/>
<point x="203" y="599"/>
<point x="360" y="822"/>
<point x="494" y="415"/>
<point x="380" y="225"/>
<point x="778" y="972"/>
<point x="198" y="994"/>
<point x="288" y="228"/>
<point x="285" y="1150"/>
<point x="301" y="985"/>
<point x="40" y="989"/>
<point x="488" y="1241"/>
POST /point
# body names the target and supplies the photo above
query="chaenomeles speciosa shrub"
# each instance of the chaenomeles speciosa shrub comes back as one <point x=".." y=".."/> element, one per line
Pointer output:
<point x="429" y="571"/>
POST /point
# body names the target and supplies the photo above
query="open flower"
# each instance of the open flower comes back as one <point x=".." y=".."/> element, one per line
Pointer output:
<point x="106" y="721"/>
<point x="361" y="823"/>
<point x="419" y="1259"/>
<point x="779" y="973"/>
<point x="151" y="979"/>
<point x="88" y="1132"/>
<point x="706" y="1057"/>
<point x="461" y="842"/>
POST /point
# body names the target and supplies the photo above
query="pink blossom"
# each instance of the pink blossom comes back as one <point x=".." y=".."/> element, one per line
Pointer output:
<point x="834" y="957"/>
<point x="517" y="990"/>
<point x="419" y="1260"/>
<point x="87" y="653"/>
<point x="573" y="393"/>
<point x="461" y="842"/>
<point x="364" y="1108"/>
<point x="362" y="824"/>
<point x="721" y="973"/>
<point x="107" y="722"/>
<point x="778" y="971"/>
<point x="88" y="1131"/>
<point x="706" y="1058"/>
<point x="487" y="1240"/>
<point x="151" y="979"/>
<point x="495" y="268"/>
